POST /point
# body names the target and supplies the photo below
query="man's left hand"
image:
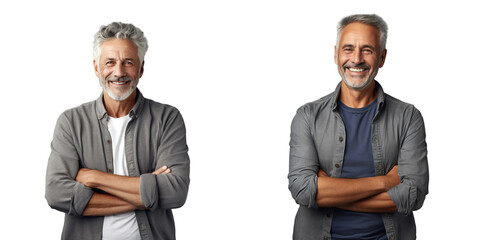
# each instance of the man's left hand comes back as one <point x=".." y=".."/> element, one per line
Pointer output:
<point x="86" y="176"/>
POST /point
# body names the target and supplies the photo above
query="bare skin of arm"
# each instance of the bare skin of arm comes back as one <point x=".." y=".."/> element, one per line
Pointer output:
<point x="105" y="204"/>
<point x="379" y="203"/>
<point x="123" y="192"/>
<point x="356" y="194"/>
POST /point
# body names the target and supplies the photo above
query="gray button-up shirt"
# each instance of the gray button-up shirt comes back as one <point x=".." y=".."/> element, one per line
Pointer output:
<point x="317" y="142"/>
<point x="154" y="137"/>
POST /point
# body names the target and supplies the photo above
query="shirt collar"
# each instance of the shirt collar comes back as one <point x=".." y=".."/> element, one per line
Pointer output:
<point x="137" y="108"/>
<point x="380" y="96"/>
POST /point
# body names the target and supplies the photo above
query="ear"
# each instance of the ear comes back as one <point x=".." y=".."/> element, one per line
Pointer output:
<point x="335" y="54"/>
<point x="141" y="70"/>
<point x="95" y="67"/>
<point x="382" y="58"/>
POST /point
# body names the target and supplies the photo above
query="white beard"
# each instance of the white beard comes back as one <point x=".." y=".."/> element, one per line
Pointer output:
<point x="118" y="97"/>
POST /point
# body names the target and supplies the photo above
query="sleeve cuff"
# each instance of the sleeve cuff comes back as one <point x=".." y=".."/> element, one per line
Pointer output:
<point x="80" y="199"/>
<point x="404" y="197"/>
<point x="148" y="190"/>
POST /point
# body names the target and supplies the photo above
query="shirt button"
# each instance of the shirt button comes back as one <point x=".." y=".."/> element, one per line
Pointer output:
<point x="109" y="170"/>
<point x="108" y="141"/>
<point x="337" y="165"/>
<point x="340" y="139"/>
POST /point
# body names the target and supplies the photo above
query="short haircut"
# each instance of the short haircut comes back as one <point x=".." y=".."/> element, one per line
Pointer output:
<point x="369" y="19"/>
<point x="120" y="30"/>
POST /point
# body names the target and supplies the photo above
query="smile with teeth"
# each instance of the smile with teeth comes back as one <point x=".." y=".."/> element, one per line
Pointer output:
<point x="357" y="69"/>
<point x="119" y="82"/>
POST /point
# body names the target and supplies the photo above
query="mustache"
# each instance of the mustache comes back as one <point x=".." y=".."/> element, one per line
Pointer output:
<point x="351" y="65"/>
<point x="119" y="79"/>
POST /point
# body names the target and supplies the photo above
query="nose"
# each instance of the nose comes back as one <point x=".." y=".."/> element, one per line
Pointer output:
<point x="357" y="57"/>
<point x="119" y="70"/>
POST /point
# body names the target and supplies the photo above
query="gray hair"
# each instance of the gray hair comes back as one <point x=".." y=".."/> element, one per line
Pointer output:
<point x="369" y="19"/>
<point x="120" y="30"/>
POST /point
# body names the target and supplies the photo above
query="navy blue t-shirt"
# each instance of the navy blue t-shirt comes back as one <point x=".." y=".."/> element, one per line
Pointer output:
<point x="357" y="163"/>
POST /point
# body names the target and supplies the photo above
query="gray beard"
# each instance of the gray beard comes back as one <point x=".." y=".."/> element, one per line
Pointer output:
<point x="120" y="97"/>
<point x="360" y="86"/>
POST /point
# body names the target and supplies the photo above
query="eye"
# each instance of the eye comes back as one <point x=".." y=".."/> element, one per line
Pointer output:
<point x="367" y="51"/>
<point x="110" y="63"/>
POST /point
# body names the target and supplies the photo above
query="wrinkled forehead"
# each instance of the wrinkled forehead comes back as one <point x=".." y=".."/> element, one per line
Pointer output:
<point x="359" y="33"/>
<point x="119" y="48"/>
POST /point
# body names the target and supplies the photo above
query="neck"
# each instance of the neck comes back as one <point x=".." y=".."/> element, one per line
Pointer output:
<point x="116" y="108"/>
<point x="358" y="98"/>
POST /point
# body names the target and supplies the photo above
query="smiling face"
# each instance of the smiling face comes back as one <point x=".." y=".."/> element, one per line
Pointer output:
<point x="118" y="68"/>
<point x="358" y="55"/>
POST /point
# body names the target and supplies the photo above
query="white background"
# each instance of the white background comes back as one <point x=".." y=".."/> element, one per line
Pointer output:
<point x="237" y="70"/>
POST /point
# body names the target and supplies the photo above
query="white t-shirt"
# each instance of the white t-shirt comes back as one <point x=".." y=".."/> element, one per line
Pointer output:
<point x="123" y="225"/>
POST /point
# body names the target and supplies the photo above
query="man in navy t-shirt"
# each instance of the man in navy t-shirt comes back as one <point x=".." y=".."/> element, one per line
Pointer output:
<point x="358" y="157"/>
<point x="357" y="163"/>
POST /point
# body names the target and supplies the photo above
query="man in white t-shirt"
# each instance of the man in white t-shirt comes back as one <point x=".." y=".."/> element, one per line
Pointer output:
<point x="119" y="164"/>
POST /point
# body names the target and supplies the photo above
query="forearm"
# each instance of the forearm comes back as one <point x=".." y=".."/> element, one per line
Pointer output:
<point x="126" y="188"/>
<point x="123" y="187"/>
<point x="105" y="204"/>
<point x="376" y="204"/>
<point x="335" y="192"/>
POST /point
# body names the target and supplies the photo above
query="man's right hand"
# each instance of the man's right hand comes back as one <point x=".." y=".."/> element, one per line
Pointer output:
<point x="392" y="178"/>
<point x="162" y="170"/>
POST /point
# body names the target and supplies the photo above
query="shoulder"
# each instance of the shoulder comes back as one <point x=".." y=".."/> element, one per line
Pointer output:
<point x="396" y="105"/>
<point x="317" y="106"/>
<point x="160" y="113"/>
<point x="396" y="109"/>
<point x="83" y="111"/>
<point x="396" y="102"/>
<point x="77" y="118"/>
<point x="157" y="108"/>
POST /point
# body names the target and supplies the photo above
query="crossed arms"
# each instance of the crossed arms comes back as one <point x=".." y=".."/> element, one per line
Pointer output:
<point x="77" y="143"/>
<point x="362" y="195"/>
<point x="122" y="192"/>
<point x="403" y="188"/>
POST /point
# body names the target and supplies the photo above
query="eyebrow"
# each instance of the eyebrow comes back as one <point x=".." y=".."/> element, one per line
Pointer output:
<point x="125" y="59"/>
<point x="363" y="46"/>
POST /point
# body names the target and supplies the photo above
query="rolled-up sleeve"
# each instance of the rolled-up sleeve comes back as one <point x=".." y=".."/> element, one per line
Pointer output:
<point x="303" y="163"/>
<point x="61" y="190"/>
<point x="410" y="194"/>
<point x="168" y="191"/>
